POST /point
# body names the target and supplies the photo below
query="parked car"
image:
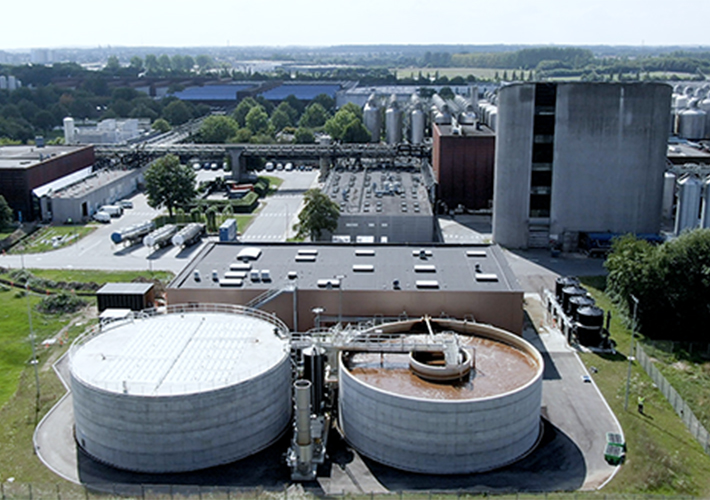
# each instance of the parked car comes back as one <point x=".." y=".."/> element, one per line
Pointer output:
<point x="101" y="216"/>
<point x="125" y="204"/>
<point x="112" y="210"/>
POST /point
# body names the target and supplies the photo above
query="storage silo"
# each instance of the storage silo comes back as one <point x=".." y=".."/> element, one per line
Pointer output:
<point x="393" y="413"/>
<point x="192" y="388"/>
<point x="669" y="181"/>
<point x="686" y="216"/>
<point x="705" y="212"/>
<point x="393" y="122"/>
<point x="69" y="131"/>
<point x="372" y="118"/>
<point x="691" y="123"/>
<point x="418" y="124"/>
<point x="704" y="105"/>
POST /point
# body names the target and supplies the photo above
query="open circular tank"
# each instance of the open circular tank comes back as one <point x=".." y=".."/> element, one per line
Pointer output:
<point x="192" y="388"/>
<point x="488" y="418"/>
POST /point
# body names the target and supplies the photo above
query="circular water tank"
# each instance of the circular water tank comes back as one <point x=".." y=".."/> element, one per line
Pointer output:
<point x="391" y="415"/>
<point x="564" y="282"/>
<point x="568" y="293"/>
<point x="195" y="387"/>
<point x="577" y="302"/>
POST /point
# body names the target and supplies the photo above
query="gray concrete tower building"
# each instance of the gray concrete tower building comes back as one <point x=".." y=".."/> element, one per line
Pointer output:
<point x="573" y="157"/>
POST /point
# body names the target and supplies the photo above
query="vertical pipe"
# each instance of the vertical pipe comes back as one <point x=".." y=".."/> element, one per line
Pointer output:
<point x="303" y="412"/>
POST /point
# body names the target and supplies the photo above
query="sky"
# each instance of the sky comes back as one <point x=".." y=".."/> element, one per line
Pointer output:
<point x="179" y="23"/>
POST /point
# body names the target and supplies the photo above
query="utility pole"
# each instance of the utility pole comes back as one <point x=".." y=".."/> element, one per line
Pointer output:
<point x="631" y="351"/>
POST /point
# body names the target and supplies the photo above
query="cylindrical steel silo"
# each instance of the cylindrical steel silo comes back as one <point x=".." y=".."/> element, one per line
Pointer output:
<point x="669" y="182"/>
<point x="393" y="122"/>
<point x="418" y="124"/>
<point x="705" y="212"/>
<point x="691" y="123"/>
<point x="686" y="216"/>
<point x="372" y="118"/>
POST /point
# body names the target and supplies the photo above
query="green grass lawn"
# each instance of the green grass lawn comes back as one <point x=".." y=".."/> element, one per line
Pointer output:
<point x="243" y="221"/>
<point x="100" y="277"/>
<point x="51" y="238"/>
<point x="662" y="457"/>
<point x="274" y="183"/>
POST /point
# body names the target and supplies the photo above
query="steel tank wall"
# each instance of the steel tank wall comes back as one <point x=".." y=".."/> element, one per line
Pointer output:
<point x="686" y="216"/>
<point x="443" y="437"/>
<point x="513" y="161"/>
<point x="669" y="180"/>
<point x="609" y="157"/>
<point x="705" y="210"/>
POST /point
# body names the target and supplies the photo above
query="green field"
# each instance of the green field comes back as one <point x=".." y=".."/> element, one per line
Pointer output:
<point x="100" y="277"/>
<point x="52" y="238"/>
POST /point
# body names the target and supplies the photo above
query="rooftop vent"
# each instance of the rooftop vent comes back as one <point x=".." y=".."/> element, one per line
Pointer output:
<point x="249" y="253"/>
<point x="363" y="268"/>
<point x="486" y="277"/>
<point x="424" y="268"/>
<point x="305" y="258"/>
<point x="476" y="253"/>
<point x="230" y="282"/>
<point x="427" y="284"/>
<point x="328" y="283"/>
<point x="364" y="253"/>
<point x="308" y="251"/>
<point x="240" y="266"/>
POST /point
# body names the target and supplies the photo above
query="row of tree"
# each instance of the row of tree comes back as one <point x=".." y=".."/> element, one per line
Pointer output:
<point x="671" y="283"/>
<point x="260" y="121"/>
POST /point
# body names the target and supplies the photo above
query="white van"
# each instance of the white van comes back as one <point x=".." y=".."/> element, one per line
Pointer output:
<point x="112" y="210"/>
<point x="101" y="216"/>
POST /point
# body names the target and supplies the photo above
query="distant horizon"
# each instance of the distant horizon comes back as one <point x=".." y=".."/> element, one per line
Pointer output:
<point x="77" y="24"/>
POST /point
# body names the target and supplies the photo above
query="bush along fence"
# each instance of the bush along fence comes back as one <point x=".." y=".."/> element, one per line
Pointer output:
<point x="699" y="432"/>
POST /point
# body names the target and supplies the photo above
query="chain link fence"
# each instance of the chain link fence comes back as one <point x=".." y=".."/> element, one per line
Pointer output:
<point x="699" y="432"/>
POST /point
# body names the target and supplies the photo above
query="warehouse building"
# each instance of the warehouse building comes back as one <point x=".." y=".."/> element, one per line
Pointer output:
<point x="355" y="282"/>
<point x="26" y="170"/>
<point x="578" y="157"/>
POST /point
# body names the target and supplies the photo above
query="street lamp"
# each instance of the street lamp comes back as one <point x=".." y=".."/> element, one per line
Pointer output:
<point x="631" y="351"/>
<point x="318" y="311"/>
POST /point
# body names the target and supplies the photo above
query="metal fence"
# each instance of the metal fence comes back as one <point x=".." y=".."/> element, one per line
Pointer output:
<point x="699" y="432"/>
<point x="672" y="347"/>
<point x="16" y="491"/>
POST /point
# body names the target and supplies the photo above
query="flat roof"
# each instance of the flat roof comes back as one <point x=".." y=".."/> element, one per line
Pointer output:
<point x="98" y="179"/>
<point x="125" y="289"/>
<point x="466" y="131"/>
<point x="12" y="157"/>
<point x="302" y="91"/>
<point x="378" y="191"/>
<point x="219" y="92"/>
<point x="465" y="268"/>
<point x="684" y="152"/>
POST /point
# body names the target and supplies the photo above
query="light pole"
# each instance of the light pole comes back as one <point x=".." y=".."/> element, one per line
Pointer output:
<point x="318" y="311"/>
<point x="631" y="351"/>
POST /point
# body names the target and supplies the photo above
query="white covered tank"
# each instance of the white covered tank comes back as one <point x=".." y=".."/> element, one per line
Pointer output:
<point x="188" y="234"/>
<point x="486" y="420"/>
<point x="705" y="211"/>
<point x="196" y="387"/>
<point x="161" y="236"/>
<point x="372" y="118"/>
<point x="393" y="122"/>
<point x="686" y="216"/>
<point x="669" y="180"/>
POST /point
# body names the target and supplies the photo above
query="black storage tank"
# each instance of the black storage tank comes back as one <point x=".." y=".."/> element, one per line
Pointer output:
<point x="568" y="293"/>
<point x="589" y="327"/>
<point x="579" y="301"/>
<point x="564" y="282"/>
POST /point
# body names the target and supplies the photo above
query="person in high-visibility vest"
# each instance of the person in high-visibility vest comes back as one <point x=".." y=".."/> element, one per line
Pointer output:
<point x="641" y="401"/>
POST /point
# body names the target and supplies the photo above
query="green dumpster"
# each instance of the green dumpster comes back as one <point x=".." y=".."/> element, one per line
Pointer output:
<point x="613" y="454"/>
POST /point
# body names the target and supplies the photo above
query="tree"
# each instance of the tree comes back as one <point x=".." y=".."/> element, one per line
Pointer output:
<point x="670" y="281"/>
<point x="326" y="101"/>
<point x="289" y="110"/>
<point x="6" y="215"/>
<point x="168" y="184"/>
<point x="177" y="113"/>
<point x="161" y="125"/>
<point x="257" y="120"/>
<point x="280" y="120"/>
<point x="319" y="214"/>
<point x="315" y="115"/>
<point x="242" y="109"/>
<point x="242" y="136"/>
<point x="216" y="129"/>
<point x="304" y="136"/>
<point x="356" y="133"/>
